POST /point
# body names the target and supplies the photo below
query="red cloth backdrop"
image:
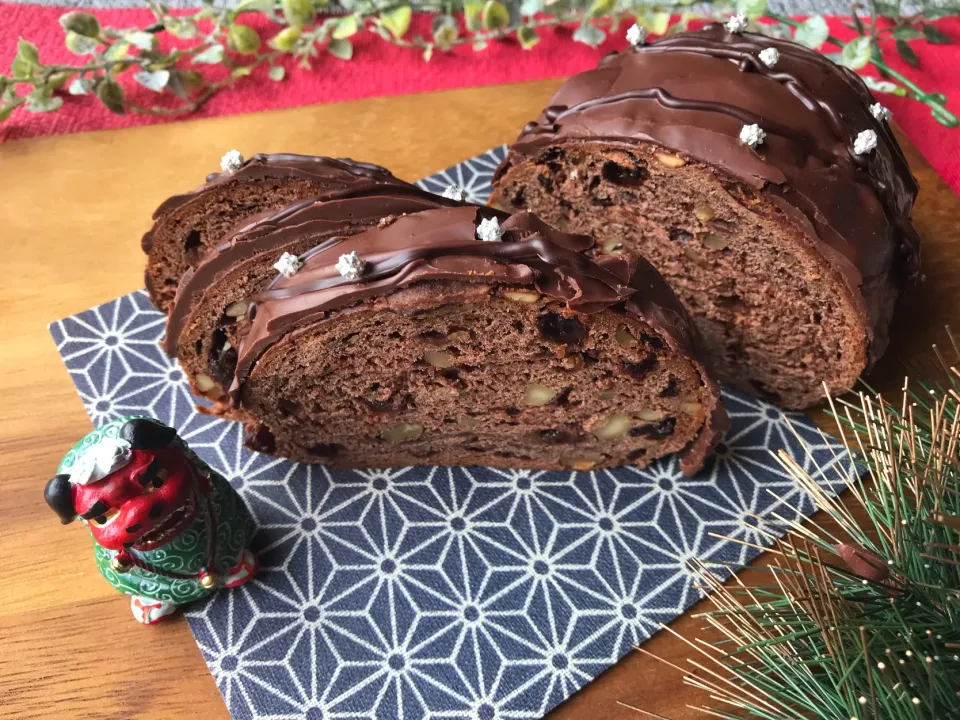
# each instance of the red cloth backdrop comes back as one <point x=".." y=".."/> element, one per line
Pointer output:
<point x="379" y="68"/>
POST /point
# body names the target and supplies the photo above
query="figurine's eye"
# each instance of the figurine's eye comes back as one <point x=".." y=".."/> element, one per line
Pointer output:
<point x="106" y="518"/>
<point x="152" y="478"/>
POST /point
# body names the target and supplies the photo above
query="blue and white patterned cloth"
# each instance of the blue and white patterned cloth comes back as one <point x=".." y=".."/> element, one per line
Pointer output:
<point x="442" y="593"/>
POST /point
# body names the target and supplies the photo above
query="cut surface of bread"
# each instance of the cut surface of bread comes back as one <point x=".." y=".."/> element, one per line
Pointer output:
<point x="770" y="193"/>
<point x="210" y="311"/>
<point x="445" y="349"/>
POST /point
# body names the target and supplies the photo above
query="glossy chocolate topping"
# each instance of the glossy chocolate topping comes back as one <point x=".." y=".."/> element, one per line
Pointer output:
<point x="335" y="171"/>
<point x="692" y="93"/>
<point x="442" y="245"/>
<point x="368" y="199"/>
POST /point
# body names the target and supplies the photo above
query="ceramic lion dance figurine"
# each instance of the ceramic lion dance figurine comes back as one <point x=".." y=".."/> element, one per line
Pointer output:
<point x="167" y="529"/>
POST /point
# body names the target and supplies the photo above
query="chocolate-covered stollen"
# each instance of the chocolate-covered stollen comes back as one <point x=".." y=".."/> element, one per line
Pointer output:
<point x="760" y="178"/>
<point x="459" y="336"/>
<point x="209" y="313"/>
<point x="187" y="226"/>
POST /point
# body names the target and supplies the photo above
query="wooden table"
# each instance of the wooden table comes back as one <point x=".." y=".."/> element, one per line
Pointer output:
<point x="74" y="209"/>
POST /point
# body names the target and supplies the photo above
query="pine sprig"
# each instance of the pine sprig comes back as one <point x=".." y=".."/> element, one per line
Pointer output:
<point x="861" y="623"/>
<point x="217" y="46"/>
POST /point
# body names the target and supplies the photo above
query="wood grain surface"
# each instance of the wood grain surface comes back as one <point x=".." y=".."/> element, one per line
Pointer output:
<point x="74" y="207"/>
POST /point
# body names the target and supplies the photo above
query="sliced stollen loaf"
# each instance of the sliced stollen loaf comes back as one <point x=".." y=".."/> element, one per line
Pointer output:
<point x="458" y="336"/>
<point x="209" y="312"/>
<point x="760" y="178"/>
<point x="187" y="226"/>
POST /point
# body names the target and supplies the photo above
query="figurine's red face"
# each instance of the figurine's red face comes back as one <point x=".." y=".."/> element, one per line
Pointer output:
<point x="144" y="504"/>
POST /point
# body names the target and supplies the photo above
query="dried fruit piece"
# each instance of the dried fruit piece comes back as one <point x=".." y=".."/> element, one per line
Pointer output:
<point x="460" y="336"/>
<point x="523" y="296"/>
<point x="649" y="415"/>
<point x="438" y="358"/>
<point x="237" y="309"/>
<point x="704" y="213"/>
<point x="715" y="240"/>
<point x="656" y="431"/>
<point x="204" y="382"/>
<point x="695" y="257"/>
<point x="615" y="426"/>
<point x="625" y="338"/>
<point x="583" y="463"/>
<point x="670" y="161"/>
<point x="691" y="408"/>
<point x="538" y="395"/>
<point x="559" y="329"/>
<point x="402" y="432"/>
<point x="612" y="246"/>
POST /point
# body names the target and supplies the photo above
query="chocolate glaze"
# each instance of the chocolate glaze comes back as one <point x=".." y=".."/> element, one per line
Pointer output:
<point x="317" y="168"/>
<point x="441" y="245"/>
<point x="363" y="203"/>
<point x="692" y="93"/>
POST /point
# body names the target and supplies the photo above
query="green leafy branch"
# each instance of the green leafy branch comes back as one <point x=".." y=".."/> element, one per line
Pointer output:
<point x="215" y="46"/>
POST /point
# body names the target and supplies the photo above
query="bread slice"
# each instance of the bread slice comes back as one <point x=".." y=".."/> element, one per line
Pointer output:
<point x="187" y="226"/>
<point x="433" y="346"/>
<point x="789" y="253"/>
<point x="209" y="313"/>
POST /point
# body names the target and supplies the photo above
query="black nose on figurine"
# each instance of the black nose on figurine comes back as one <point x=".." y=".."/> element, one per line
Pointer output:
<point x="144" y="434"/>
<point x="59" y="496"/>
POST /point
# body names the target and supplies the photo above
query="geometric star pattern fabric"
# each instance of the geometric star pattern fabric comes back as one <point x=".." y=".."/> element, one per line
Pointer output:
<point x="443" y="593"/>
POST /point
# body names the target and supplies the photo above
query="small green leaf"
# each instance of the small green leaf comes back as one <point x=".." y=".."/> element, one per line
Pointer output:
<point x="80" y="86"/>
<point x="527" y="37"/>
<point x="42" y="100"/>
<point x="812" y="32"/>
<point x="28" y="51"/>
<point x="427" y="53"/>
<point x="907" y="33"/>
<point x="80" y="45"/>
<point x="752" y="8"/>
<point x="472" y="12"/>
<point x="856" y="54"/>
<point x="243" y="39"/>
<point x="255" y="6"/>
<point x="397" y="21"/>
<point x="656" y="22"/>
<point x="141" y="40"/>
<point x="345" y="27"/>
<point x="111" y="95"/>
<point x="81" y="23"/>
<point x="494" y="15"/>
<point x="241" y="71"/>
<point x="890" y="10"/>
<point x="213" y="55"/>
<point x="599" y="8"/>
<point x="277" y="73"/>
<point x="935" y="36"/>
<point x="479" y="45"/>
<point x="340" y="48"/>
<point x="156" y="80"/>
<point x="285" y="40"/>
<point x="298" y="12"/>
<point x="21" y="69"/>
<point x="180" y="28"/>
<point x="883" y="86"/>
<point x="906" y="52"/>
<point x="5" y="112"/>
<point x="117" y="51"/>
<point x="589" y="35"/>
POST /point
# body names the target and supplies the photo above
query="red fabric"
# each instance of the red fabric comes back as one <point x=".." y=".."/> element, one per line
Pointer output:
<point x="379" y="68"/>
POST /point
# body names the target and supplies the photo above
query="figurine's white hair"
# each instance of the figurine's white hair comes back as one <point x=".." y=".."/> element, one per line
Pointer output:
<point x="98" y="461"/>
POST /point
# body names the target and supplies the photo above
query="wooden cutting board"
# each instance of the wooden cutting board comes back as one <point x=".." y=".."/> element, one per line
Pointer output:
<point x="74" y="209"/>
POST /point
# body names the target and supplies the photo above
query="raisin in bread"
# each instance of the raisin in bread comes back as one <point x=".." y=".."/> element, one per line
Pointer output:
<point x="769" y="191"/>
<point x="416" y="342"/>
<point x="209" y="312"/>
<point x="187" y="226"/>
